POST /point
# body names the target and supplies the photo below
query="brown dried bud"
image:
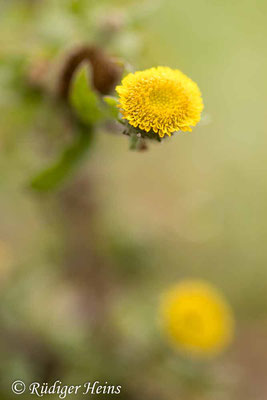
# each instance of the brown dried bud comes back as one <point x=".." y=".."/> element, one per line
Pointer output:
<point x="106" y="73"/>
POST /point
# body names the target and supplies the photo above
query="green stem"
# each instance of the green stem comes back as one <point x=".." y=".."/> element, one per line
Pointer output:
<point x="134" y="142"/>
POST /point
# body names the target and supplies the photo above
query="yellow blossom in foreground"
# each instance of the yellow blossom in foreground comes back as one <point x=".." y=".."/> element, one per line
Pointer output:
<point x="160" y="99"/>
<point x="196" y="318"/>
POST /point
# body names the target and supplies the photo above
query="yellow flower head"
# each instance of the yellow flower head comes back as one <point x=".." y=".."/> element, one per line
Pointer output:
<point x="160" y="99"/>
<point x="196" y="318"/>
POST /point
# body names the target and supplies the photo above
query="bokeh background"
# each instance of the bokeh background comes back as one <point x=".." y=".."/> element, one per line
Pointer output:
<point x="82" y="268"/>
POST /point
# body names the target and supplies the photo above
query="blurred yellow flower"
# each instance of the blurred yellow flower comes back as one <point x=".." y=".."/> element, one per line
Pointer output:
<point x="161" y="99"/>
<point x="196" y="318"/>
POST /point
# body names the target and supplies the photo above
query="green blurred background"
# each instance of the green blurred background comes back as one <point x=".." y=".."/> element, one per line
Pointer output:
<point x="82" y="269"/>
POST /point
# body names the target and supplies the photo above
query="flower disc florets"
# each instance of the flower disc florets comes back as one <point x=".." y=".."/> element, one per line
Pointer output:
<point x="161" y="100"/>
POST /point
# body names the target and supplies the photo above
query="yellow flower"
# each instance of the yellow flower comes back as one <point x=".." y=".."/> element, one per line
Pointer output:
<point x="196" y="318"/>
<point x="161" y="99"/>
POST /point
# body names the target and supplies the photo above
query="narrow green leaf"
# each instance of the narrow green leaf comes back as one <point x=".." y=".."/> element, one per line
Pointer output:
<point x="83" y="99"/>
<point x="54" y="175"/>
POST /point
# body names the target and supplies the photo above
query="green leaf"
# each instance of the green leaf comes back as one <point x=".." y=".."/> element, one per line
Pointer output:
<point x="57" y="173"/>
<point x="112" y="104"/>
<point x="83" y="99"/>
